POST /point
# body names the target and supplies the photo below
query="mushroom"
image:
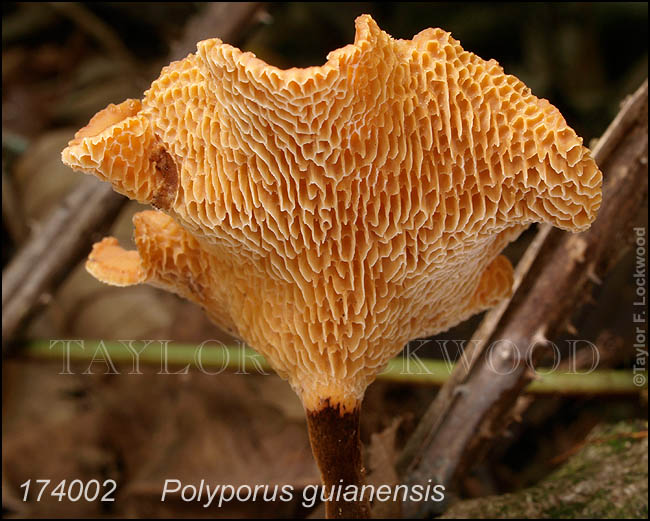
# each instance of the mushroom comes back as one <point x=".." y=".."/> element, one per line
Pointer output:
<point x="330" y="214"/>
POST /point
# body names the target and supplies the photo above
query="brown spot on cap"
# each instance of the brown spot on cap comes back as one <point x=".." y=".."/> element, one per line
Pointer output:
<point x="167" y="186"/>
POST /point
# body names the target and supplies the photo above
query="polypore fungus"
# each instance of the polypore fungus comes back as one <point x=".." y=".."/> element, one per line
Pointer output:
<point x="328" y="215"/>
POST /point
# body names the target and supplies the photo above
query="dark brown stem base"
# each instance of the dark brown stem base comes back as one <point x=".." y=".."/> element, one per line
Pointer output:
<point x="336" y="445"/>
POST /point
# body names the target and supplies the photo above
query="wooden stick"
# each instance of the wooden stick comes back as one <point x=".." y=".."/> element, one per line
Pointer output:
<point x="13" y="215"/>
<point x="225" y="20"/>
<point x="47" y="257"/>
<point x="600" y="382"/>
<point x="556" y="277"/>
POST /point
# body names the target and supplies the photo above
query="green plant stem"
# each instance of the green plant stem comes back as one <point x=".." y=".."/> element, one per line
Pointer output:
<point x="216" y="357"/>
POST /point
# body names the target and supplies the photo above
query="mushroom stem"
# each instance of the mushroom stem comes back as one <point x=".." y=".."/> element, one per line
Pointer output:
<point x="335" y="442"/>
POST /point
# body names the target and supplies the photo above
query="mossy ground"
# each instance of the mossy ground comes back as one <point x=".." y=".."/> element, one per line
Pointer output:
<point x="607" y="478"/>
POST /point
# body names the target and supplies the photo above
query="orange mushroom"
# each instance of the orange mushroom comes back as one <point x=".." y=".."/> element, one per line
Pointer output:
<point x="328" y="215"/>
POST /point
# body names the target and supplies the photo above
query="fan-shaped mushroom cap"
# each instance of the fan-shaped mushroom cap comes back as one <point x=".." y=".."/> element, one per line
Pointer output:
<point x="327" y="215"/>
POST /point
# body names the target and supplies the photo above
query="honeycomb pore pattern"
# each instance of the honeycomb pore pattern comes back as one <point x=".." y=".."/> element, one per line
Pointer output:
<point x="328" y="215"/>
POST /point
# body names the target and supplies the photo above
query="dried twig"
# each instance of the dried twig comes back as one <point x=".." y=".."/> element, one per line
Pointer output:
<point x="217" y="358"/>
<point x="12" y="212"/>
<point x="47" y="257"/>
<point x="557" y="275"/>
<point x="226" y="20"/>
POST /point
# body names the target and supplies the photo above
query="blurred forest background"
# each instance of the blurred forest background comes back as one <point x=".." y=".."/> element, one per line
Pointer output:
<point x="63" y="62"/>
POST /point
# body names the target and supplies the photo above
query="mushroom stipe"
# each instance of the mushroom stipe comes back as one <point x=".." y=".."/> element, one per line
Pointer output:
<point x="328" y="215"/>
<point x="336" y="445"/>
